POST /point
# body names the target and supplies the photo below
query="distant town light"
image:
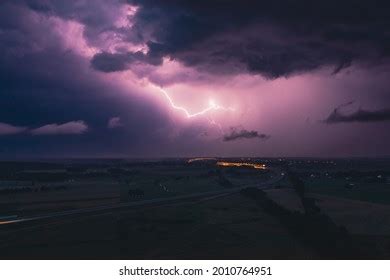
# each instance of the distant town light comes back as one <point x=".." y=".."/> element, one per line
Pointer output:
<point x="241" y="164"/>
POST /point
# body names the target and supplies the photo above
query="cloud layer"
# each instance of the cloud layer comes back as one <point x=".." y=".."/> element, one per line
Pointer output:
<point x="8" y="129"/>
<point x="360" y="115"/>
<point x="275" y="39"/>
<point x="74" y="127"/>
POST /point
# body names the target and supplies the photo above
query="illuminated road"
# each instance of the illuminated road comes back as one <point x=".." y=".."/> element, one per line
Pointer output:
<point x="150" y="202"/>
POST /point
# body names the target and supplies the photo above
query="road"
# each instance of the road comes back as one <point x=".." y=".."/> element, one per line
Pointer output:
<point x="150" y="202"/>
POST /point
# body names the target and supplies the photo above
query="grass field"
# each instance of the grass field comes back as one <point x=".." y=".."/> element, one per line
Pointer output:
<point x="227" y="227"/>
<point x="364" y="191"/>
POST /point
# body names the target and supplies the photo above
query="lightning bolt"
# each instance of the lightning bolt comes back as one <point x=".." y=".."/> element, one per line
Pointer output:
<point x="212" y="106"/>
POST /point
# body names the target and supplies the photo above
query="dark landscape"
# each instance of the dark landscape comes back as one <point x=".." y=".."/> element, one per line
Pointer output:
<point x="230" y="208"/>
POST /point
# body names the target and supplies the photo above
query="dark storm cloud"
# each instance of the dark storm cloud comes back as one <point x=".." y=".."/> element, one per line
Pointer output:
<point x="360" y="115"/>
<point x="39" y="5"/>
<point x="96" y="15"/>
<point x="109" y="62"/>
<point x="273" y="38"/>
<point x="236" y="134"/>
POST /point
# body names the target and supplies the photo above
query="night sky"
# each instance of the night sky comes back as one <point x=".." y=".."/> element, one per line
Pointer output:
<point x="171" y="78"/>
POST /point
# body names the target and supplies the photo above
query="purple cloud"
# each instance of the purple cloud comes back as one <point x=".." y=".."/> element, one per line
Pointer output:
<point x="360" y="115"/>
<point x="114" y="122"/>
<point x="244" y="134"/>
<point x="74" y="127"/>
<point x="8" y="129"/>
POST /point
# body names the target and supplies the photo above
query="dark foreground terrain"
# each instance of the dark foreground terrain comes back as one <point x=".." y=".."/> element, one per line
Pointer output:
<point x="175" y="209"/>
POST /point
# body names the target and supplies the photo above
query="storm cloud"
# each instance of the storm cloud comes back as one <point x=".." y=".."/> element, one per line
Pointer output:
<point x="274" y="39"/>
<point x="239" y="134"/>
<point x="360" y="115"/>
<point x="271" y="38"/>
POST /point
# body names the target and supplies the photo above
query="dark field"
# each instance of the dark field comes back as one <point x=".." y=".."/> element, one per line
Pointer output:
<point x="172" y="209"/>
